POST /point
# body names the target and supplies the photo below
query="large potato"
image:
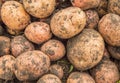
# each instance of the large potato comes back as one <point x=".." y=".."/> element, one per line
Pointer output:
<point x="68" y="22"/>
<point x="109" y="27"/>
<point x="39" y="8"/>
<point x="85" y="50"/>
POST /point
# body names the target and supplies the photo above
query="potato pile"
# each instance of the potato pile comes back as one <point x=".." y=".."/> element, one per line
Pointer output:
<point x="59" y="41"/>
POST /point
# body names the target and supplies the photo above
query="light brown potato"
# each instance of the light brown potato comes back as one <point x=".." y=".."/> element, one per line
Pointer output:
<point x="49" y="78"/>
<point x="38" y="32"/>
<point x="85" y="4"/>
<point x="39" y="8"/>
<point x="80" y="77"/>
<point x="31" y="65"/>
<point x="14" y="15"/>
<point x="85" y="50"/>
<point x="109" y="28"/>
<point x="7" y="68"/>
<point x="68" y="22"/>
<point x="105" y="72"/>
<point x="54" y="49"/>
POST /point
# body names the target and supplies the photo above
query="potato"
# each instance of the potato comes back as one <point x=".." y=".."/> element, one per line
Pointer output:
<point x="109" y="28"/>
<point x="85" y="50"/>
<point x="56" y="70"/>
<point x="31" y="65"/>
<point x="20" y="44"/>
<point x="7" y="63"/>
<point x="4" y="45"/>
<point x="114" y="6"/>
<point x="39" y="8"/>
<point x="92" y="19"/>
<point x="49" y="78"/>
<point x="68" y="22"/>
<point x="14" y="15"/>
<point x="80" y="77"/>
<point x="38" y="32"/>
<point x="85" y="4"/>
<point x="54" y="49"/>
<point x="105" y="72"/>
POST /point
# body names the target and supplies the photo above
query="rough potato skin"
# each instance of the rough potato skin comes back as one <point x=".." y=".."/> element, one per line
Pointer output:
<point x="85" y="4"/>
<point x="54" y="49"/>
<point x="20" y="44"/>
<point x="109" y="27"/>
<point x="49" y="78"/>
<point x="31" y="65"/>
<point x="39" y="8"/>
<point x="68" y="22"/>
<point x="7" y="63"/>
<point x="105" y="72"/>
<point x="38" y="32"/>
<point x="14" y="15"/>
<point x="80" y="77"/>
<point x="85" y="50"/>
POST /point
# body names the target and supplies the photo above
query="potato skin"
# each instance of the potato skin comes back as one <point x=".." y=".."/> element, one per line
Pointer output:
<point x="54" y="49"/>
<point x="38" y="32"/>
<point x="85" y="4"/>
<point x="80" y="77"/>
<point x="109" y="28"/>
<point x="20" y="44"/>
<point x="85" y="50"/>
<point x="14" y="15"/>
<point x="49" y="78"/>
<point x="31" y="65"/>
<point x="7" y="63"/>
<point x="39" y="8"/>
<point x="68" y="22"/>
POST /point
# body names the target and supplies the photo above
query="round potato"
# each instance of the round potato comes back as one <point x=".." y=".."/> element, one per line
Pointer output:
<point x="80" y="77"/>
<point x="38" y="32"/>
<point x="39" y="8"/>
<point x="109" y="28"/>
<point x="68" y="22"/>
<point x="54" y="49"/>
<point x="85" y="50"/>
<point x="49" y="78"/>
<point x="31" y="65"/>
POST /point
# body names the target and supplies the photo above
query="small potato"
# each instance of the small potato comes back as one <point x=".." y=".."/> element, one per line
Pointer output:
<point x="31" y="65"/>
<point x="80" y="77"/>
<point x="39" y="8"/>
<point x="38" y="32"/>
<point x="109" y="27"/>
<point x="49" y="78"/>
<point x="85" y="4"/>
<point x="7" y="63"/>
<point x="54" y="49"/>
<point x="20" y="44"/>
<point x="14" y="15"/>
<point x="85" y="50"/>
<point x="105" y="72"/>
<point x="68" y="22"/>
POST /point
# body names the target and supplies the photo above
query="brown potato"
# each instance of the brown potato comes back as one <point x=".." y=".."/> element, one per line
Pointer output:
<point x="80" y="77"/>
<point x="49" y="78"/>
<point x="31" y="65"/>
<point x="7" y="63"/>
<point x="39" y="8"/>
<point x="14" y="15"/>
<point x="20" y="44"/>
<point x="54" y="49"/>
<point x="109" y="28"/>
<point x="85" y="4"/>
<point x="105" y="72"/>
<point x="38" y="32"/>
<point x="85" y="50"/>
<point x="68" y="22"/>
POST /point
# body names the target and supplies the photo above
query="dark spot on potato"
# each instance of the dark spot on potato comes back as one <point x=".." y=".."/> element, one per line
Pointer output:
<point x="50" y="52"/>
